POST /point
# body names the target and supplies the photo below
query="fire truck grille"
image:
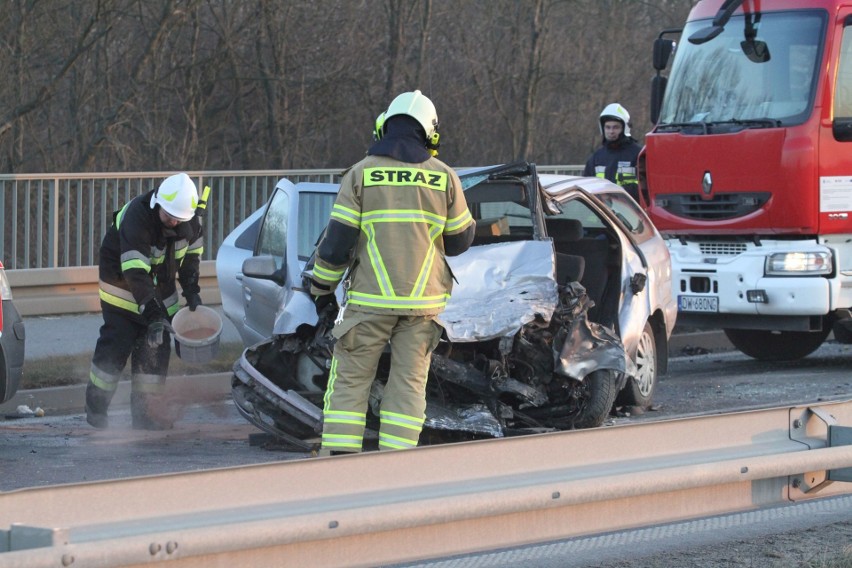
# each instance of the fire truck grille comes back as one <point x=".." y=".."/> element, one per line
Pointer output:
<point x="722" y="248"/>
<point x="720" y="206"/>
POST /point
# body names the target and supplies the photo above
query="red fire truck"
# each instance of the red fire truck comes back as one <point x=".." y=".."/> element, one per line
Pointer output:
<point x="748" y="171"/>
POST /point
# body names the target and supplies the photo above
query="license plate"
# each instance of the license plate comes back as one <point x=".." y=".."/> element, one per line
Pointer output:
<point x="698" y="304"/>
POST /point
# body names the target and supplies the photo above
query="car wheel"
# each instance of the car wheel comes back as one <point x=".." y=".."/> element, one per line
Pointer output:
<point x="776" y="345"/>
<point x="639" y="390"/>
<point x="598" y="395"/>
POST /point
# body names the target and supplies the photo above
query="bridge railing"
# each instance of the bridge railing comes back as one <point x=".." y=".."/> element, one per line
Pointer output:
<point x="58" y="220"/>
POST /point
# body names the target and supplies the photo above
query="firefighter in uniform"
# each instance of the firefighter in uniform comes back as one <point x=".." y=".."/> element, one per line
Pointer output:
<point x="153" y="237"/>
<point x="398" y="213"/>
<point x="616" y="159"/>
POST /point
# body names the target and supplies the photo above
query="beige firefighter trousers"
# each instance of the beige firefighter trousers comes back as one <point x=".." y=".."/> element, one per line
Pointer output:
<point x="361" y="339"/>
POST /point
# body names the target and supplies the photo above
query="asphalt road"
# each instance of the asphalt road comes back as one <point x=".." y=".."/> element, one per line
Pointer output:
<point x="705" y="376"/>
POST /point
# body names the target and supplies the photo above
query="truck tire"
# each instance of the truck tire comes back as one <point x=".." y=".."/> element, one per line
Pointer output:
<point x="639" y="390"/>
<point x="599" y="392"/>
<point x="776" y="345"/>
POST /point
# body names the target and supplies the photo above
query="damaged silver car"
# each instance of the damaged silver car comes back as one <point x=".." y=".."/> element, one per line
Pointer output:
<point x="528" y="346"/>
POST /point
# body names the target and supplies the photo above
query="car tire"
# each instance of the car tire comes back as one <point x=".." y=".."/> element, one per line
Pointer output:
<point x="766" y="345"/>
<point x="599" y="390"/>
<point x="639" y="390"/>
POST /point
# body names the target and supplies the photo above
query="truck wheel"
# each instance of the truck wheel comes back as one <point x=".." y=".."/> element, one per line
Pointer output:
<point x="640" y="388"/>
<point x="776" y="345"/>
<point x="599" y="392"/>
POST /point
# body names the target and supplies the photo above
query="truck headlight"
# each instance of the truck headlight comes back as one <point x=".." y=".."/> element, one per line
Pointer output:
<point x="798" y="264"/>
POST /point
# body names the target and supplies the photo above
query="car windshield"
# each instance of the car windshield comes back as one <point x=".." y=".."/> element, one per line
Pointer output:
<point x="721" y="86"/>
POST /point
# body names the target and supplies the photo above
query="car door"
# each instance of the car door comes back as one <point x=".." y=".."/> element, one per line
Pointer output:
<point x="633" y="230"/>
<point x="632" y="310"/>
<point x="309" y="215"/>
<point x="262" y="297"/>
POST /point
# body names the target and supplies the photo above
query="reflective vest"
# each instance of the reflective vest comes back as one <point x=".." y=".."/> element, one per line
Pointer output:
<point x="402" y="212"/>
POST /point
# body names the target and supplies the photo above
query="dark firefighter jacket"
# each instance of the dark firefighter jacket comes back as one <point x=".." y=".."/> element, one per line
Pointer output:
<point x="140" y="257"/>
<point x="616" y="161"/>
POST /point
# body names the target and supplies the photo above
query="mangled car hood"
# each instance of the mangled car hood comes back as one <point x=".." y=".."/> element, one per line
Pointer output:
<point x="499" y="288"/>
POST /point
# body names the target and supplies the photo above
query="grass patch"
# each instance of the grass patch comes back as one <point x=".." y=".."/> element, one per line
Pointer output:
<point x="68" y="370"/>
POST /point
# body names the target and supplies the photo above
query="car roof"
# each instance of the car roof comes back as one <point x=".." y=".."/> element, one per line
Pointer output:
<point x="317" y="187"/>
<point x="558" y="184"/>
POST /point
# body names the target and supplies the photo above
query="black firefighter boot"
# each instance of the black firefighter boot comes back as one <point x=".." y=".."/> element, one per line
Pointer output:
<point x="97" y="402"/>
<point x="149" y="412"/>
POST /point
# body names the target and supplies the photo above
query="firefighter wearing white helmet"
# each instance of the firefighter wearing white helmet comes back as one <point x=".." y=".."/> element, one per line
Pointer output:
<point x="616" y="159"/>
<point x="154" y="240"/>
<point x="398" y="213"/>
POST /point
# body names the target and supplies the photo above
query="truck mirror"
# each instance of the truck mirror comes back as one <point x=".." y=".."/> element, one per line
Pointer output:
<point x="663" y="49"/>
<point x="658" y="90"/>
<point x="718" y="26"/>
<point x="756" y="51"/>
<point x="842" y="129"/>
<point x="705" y="34"/>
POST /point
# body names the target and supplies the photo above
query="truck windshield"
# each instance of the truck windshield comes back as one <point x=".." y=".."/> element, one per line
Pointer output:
<point x="716" y="87"/>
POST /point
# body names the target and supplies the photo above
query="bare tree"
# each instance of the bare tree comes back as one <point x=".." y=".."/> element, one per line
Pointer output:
<point x="217" y="84"/>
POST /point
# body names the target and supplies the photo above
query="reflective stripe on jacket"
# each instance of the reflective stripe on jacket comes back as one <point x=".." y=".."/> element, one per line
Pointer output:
<point x="402" y="211"/>
<point x="141" y="258"/>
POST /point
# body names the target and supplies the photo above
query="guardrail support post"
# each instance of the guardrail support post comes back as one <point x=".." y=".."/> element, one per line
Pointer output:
<point x="840" y="436"/>
<point x="812" y="428"/>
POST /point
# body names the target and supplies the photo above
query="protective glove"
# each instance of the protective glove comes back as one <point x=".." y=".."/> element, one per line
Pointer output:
<point x="157" y="332"/>
<point x="153" y="309"/>
<point x="323" y="302"/>
<point x="193" y="301"/>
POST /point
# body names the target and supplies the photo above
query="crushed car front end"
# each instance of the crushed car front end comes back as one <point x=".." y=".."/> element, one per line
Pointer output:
<point x="519" y="353"/>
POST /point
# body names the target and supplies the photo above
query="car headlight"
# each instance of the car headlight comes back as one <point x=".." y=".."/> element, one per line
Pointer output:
<point x="798" y="264"/>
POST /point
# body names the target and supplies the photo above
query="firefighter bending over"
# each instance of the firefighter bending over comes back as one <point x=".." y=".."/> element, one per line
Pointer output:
<point x="398" y="213"/>
<point x="154" y="237"/>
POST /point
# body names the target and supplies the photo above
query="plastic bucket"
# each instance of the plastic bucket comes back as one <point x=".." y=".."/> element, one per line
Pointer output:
<point x="197" y="334"/>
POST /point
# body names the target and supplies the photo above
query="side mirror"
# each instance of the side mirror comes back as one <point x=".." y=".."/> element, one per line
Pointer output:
<point x="637" y="282"/>
<point x="705" y="34"/>
<point x="264" y="268"/>
<point x="663" y="49"/>
<point x="842" y="129"/>
<point x="658" y="91"/>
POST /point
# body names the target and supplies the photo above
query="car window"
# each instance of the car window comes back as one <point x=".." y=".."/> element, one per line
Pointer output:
<point x="500" y="210"/>
<point x="628" y="212"/>
<point x="314" y="210"/>
<point x="579" y="210"/>
<point x="273" y="233"/>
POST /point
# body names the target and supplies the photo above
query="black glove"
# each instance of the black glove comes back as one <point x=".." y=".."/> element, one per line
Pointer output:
<point x="153" y="310"/>
<point x="157" y="332"/>
<point x="193" y="301"/>
<point x="323" y="302"/>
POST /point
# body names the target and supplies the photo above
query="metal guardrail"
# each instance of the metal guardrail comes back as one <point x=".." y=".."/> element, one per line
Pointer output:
<point x="58" y="220"/>
<point x="381" y="508"/>
<point x="74" y="290"/>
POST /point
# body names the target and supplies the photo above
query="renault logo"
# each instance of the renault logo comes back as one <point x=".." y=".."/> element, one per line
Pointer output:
<point x="707" y="183"/>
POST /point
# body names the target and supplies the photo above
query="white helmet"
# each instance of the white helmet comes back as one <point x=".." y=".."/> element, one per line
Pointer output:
<point x="178" y="196"/>
<point x="615" y="111"/>
<point x="417" y="106"/>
